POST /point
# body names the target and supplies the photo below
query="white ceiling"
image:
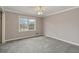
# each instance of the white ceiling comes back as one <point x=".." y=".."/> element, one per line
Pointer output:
<point x="30" y="10"/>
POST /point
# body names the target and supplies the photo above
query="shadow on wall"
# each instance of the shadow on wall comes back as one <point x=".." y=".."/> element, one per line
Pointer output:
<point x="0" y="24"/>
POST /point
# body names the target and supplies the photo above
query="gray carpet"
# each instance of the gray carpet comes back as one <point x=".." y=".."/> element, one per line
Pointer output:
<point x="40" y="44"/>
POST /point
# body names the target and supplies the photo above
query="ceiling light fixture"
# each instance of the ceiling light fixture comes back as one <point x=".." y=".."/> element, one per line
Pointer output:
<point x="40" y="10"/>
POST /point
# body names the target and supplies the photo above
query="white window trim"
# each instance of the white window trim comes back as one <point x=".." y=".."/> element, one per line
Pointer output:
<point x="27" y="26"/>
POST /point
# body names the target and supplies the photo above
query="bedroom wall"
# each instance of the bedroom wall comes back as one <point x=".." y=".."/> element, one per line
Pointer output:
<point x="63" y="26"/>
<point x="0" y="26"/>
<point x="12" y="27"/>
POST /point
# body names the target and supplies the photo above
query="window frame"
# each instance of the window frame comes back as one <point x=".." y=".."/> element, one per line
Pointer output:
<point x="34" y="24"/>
<point x="28" y="24"/>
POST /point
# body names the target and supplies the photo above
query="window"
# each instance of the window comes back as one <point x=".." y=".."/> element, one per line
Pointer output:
<point x="32" y="24"/>
<point x="26" y="24"/>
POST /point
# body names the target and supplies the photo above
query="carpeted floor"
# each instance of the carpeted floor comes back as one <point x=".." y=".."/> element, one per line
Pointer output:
<point x="40" y="44"/>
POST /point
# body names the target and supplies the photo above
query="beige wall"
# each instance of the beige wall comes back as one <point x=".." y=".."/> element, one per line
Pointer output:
<point x="12" y="27"/>
<point x="0" y="26"/>
<point x="64" y="26"/>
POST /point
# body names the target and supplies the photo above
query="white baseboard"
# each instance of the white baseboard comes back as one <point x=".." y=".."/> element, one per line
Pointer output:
<point x="14" y="39"/>
<point x="70" y="42"/>
<point x="21" y="38"/>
